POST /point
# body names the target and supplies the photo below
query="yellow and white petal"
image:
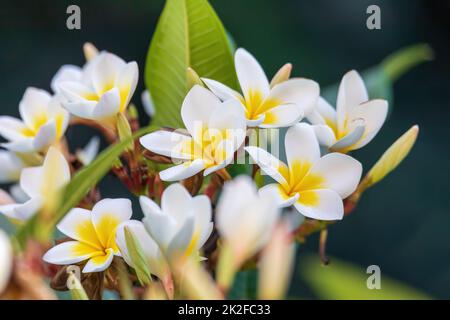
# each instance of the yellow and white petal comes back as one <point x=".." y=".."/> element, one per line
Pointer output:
<point x="106" y="216"/>
<point x="99" y="263"/>
<point x="77" y="224"/>
<point x="10" y="167"/>
<point x="6" y="261"/>
<point x="45" y="136"/>
<point x="12" y="129"/>
<point x="374" y="113"/>
<point x="256" y="122"/>
<point x="284" y="115"/>
<point x="82" y="109"/>
<point x="352" y="92"/>
<point x="324" y="134"/>
<point x="339" y="172"/>
<point x="276" y="191"/>
<point x="347" y="142"/>
<point x="250" y="74"/>
<point x="127" y="82"/>
<point x="70" y="252"/>
<point x="320" y="204"/>
<point x="301" y="145"/>
<point x="222" y="91"/>
<point x="182" y="241"/>
<point x="66" y="73"/>
<point x="170" y="144"/>
<point x="34" y="106"/>
<point x="74" y="91"/>
<point x="56" y="170"/>
<point x="268" y="163"/>
<point x="60" y="115"/>
<point x="323" y="113"/>
<point x="154" y="256"/>
<point x="182" y="171"/>
<point x="302" y="92"/>
<point x="197" y="108"/>
<point x="105" y="72"/>
<point x="203" y="219"/>
<point x="108" y="105"/>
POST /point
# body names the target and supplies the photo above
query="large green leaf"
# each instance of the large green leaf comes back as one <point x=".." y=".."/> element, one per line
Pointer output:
<point x="344" y="281"/>
<point x="188" y="34"/>
<point x="79" y="186"/>
<point x="380" y="79"/>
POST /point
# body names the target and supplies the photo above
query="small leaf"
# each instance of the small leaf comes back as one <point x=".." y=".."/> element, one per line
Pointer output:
<point x="188" y="34"/>
<point x="392" y="157"/>
<point x="77" y="291"/>
<point x="124" y="131"/>
<point x="137" y="258"/>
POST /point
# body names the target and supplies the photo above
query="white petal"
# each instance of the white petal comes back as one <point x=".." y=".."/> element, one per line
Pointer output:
<point x="155" y="259"/>
<point x="182" y="171"/>
<point x="105" y="71"/>
<point x="76" y="91"/>
<point x="182" y="239"/>
<point x="284" y="115"/>
<point x="89" y="152"/>
<point x="66" y="73"/>
<point x="176" y="201"/>
<point x="352" y="92"/>
<point x="77" y="224"/>
<point x="302" y="92"/>
<point x="250" y="74"/>
<point x="222" y="91"/>
<point x="11" y="128"/>
<point x="198" y="106"/>
<point x="147" y="103"/>
<point x="161" y="226"/>
<point x="127" y="82"/>
<point x="268" y="163"/>
<point x="212" y="169"/>
<point x="10" y="167"/>
<point x="340" y="172"/>
<point x="59" y="114"/>
<point x="99" y="263"/>
<point x="301" y="144"/>
<point x="82" y="109"/>
<point x="346" y="143"/>
<point x="21" y="146"/>
<point x="108" y="105"/>
<point x="32" y="181"/>
<point x="8" y="210"/>
<point x="56" y="169"/>
<point x="33" y="106"/>
<point x="374" y="113"/>
<point x="45" y="136"/>
<point x="229" y="115"/>
<point x="324" y="134"/>
<point x="68" y="253"/>
<point x="329" y="205"/>
<point x="170" y="144"/>
<point x="275" y="190"/>
<point x="323" y="113"/>
<point x="28" y="209"/>
<point x="201" y="206"/>
<point x="6" y="260"/>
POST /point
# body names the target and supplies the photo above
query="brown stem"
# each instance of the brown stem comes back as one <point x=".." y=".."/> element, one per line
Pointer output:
<point x="323" y="246"/>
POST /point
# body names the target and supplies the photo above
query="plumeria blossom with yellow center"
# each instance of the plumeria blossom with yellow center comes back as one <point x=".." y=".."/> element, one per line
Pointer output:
<point x="314" y="185"/>
<point x="93" y="235"/>
<point x="182" y="224"/>
<point x="102" y="90"/>
<point x="244" y="218"/>
<point x="266" y="106"/>
<point x="44" y="122"/>
<point x="215" y="132"/>
<point x="40" y="184"/>
<point x="356" y="120"/>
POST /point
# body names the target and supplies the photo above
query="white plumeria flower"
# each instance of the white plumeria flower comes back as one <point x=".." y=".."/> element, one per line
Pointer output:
<point x="314" y="185"/>
<point x="6" y="260"/>
<point x="245" y="219"/>
<point x="93" y="233"/>
<point x="44" y="123"/>
<point x="182" y="224"/>
<point x="216" y="130"/>
<point x="267" y="107"/>
<point x="103" y="90"/>
<point x="356" y="120"/>
<point x="40" y="185"/>
<point x="89" y="152"/>
<point x="10" y="167"/>
<point x="156" y="260"/>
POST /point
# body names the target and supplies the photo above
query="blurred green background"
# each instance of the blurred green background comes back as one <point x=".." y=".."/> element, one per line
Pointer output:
<point x="402" y="224"/>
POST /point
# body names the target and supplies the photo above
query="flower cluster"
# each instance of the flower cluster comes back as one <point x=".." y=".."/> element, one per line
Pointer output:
<point x="199" y="231"/>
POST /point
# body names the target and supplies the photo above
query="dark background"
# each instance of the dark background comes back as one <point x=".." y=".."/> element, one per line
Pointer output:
<point x="403" y="224"/>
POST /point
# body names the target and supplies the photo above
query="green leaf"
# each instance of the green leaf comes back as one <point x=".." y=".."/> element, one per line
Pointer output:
<point x="137" y="257"/>
<point x="80" y="184"/>
<point x="379" y="80"/>
<point x="188" y="34"/>
<point x="344" y="281"/>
